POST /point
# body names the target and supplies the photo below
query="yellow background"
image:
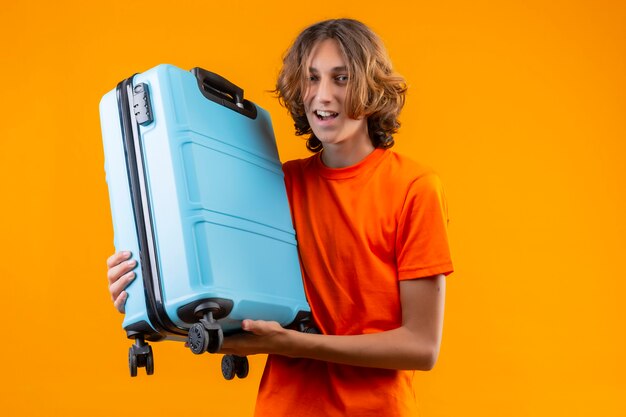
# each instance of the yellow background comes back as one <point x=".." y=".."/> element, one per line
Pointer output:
<point x="519" y="105"/>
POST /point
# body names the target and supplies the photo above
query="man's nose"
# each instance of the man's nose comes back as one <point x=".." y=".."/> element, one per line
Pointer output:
<point x="324" y="90"/>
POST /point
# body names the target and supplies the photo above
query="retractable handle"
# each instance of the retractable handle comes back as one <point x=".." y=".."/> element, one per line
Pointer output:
<point x="220" y="85"/>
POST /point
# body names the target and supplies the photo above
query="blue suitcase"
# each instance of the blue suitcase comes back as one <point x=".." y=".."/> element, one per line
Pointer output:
<point x="197" y="194"/>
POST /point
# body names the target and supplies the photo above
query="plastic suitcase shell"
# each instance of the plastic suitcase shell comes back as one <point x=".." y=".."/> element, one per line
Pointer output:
<point x="197" y="195"/>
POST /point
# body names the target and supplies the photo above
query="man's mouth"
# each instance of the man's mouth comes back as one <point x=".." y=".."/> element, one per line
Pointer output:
<point x="325" y="115"/>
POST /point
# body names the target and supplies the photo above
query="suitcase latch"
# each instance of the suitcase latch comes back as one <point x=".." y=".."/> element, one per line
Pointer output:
<point x="141" y="104"/>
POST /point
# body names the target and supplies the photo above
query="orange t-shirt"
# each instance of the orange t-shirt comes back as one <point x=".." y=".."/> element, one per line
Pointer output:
<point x="360" y="230"/>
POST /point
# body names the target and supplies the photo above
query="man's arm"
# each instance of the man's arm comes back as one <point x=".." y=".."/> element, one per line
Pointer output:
<point x="413" y="345"/>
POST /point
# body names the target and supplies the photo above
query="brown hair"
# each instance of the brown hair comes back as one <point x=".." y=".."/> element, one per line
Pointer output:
<point x="375" y="91"/>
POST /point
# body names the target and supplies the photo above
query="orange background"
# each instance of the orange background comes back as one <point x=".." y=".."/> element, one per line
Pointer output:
<point x="519" y="105"/>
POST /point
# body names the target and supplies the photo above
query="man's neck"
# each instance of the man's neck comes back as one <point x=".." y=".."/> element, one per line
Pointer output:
<point x="346" y="154"/>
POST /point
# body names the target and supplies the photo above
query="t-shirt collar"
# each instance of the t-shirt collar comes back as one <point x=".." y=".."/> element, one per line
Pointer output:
<point x="360" y="167"/>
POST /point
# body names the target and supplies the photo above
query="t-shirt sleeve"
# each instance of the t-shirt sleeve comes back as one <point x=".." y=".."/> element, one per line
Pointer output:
<point x="422" y="248"/>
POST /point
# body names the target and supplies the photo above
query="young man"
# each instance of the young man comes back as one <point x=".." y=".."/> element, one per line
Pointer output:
<point x="371" y="230"/>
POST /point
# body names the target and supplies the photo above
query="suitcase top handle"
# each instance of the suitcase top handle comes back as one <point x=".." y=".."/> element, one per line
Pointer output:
<point x="218" y="89"/>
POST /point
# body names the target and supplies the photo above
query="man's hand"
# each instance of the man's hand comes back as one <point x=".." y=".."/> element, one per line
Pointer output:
<point x="260" y="337"/>
<point x="120" y="274"/>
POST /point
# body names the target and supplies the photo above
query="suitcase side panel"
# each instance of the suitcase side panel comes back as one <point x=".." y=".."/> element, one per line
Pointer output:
<point x="250" y="221"/>
<point x="192" y="154"/>
<point x="163" y="191"/>
<point x="125" y="235"/>
<point x="248" y="189"/>
<point x="265" y="286"/>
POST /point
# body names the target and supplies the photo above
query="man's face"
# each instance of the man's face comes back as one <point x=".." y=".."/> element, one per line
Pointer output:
<point x="325" y="97"/>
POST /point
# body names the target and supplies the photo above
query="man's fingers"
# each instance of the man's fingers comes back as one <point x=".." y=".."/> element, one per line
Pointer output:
<point x="120" y="301"/>
<point x="116" y="272"/>
<point x="117" y="258"/>
<point x="253" y="326"/>
<point x="260" y="327"/>
<point x="119" y="275"/>
<point x="247" y="325"/>
<point x="117" y="287"/>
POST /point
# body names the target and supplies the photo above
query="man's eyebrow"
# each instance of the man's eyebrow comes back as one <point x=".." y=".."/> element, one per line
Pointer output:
<point x="334" y="69"/>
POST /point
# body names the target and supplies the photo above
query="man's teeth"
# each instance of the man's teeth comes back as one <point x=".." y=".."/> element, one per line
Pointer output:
<point x="321" y="113"/>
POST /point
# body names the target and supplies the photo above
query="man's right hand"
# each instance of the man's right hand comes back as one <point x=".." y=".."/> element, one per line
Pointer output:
<point x="120" y="274"/>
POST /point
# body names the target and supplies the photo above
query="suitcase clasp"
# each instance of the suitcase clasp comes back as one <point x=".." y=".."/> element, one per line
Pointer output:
<point x="141" y="105"/>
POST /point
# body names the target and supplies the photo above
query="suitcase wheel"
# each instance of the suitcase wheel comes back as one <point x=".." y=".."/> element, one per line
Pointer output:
<point x="207" y="334"/>
<point x="234" y="365"/>
<point x="242" y="367"/>
<point x="216" y="340"/>
<point x="200" y="339"/>
<point x="149" y="362"/>
<point x="132" y="362"/>
<point x="140" y="356"/>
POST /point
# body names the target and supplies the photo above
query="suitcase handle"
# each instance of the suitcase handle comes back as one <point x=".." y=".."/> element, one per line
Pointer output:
<point x="220" y="90"/>
<point x="221" y="84"/>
